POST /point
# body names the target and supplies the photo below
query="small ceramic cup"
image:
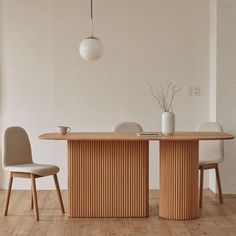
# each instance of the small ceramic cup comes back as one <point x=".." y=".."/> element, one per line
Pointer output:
<point x="63" y="129"/>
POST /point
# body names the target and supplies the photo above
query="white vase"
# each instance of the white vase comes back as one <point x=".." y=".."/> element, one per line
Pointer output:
<point x="168" y="123"/>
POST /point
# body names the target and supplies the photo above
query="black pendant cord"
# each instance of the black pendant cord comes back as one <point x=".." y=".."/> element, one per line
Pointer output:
<point x="92" y="15"/>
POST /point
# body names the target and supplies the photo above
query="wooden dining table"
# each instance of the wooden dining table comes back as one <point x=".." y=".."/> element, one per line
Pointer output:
<point x="108" y="173"/>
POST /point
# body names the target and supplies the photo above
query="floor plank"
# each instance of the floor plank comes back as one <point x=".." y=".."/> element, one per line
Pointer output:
<point x="215" y="219"/>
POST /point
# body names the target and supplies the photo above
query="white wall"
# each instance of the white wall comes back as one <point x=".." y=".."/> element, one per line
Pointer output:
<point x="45" y="83"/>
<point x="212" y="60"/>
<point x="212" y="76"/>
<point x="226" y="87"/>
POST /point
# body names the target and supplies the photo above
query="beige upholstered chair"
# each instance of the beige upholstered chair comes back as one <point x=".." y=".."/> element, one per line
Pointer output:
<point x="127" y="127"/>
<point x="17" y="159"/>
<point x="211" y="153"/>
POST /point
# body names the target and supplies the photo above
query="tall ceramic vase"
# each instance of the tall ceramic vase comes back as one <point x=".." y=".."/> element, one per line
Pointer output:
<point x="168" y="123"/>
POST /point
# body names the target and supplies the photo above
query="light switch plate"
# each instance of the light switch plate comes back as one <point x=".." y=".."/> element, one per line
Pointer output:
<point x="189" y="91"/>
<point x="196" y="91"/>
<point x="192" y="90"/>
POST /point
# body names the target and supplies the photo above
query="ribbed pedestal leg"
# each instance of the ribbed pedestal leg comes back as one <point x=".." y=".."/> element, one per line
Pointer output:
<point x="108" y="178"/>
<point x="179" y="180"/>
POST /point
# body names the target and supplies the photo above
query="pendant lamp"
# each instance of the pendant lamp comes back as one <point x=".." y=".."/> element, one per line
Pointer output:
<point x="91" y="48"/>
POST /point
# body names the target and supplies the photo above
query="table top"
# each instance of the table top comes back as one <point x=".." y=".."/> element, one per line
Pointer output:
<point x="133" y="136"/>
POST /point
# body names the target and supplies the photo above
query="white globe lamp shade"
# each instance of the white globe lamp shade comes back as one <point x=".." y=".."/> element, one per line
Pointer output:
<point x="91" y="49"/>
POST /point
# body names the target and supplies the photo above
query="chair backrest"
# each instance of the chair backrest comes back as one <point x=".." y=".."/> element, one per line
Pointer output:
<point x="211" y="150"/>
<point x="127" y="127"/>
<point x="17" y="148"/>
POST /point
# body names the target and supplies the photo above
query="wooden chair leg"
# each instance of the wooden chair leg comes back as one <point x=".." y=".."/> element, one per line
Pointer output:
<point x="31" y="198"/>
<point x="201" y="186"/>
<point x="59" y="193"/>
<point x="218" y="183"/>
<point x="8" y="195"/>
<point x="35" y="197"/>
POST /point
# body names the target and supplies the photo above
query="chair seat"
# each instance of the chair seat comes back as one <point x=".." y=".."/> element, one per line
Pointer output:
<point x="33" y="168"/>
<point x="207" y="162"/>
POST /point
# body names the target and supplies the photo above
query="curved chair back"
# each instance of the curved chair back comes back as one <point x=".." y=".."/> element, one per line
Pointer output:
<point x="211" y="150"/>
<point x="17" y="148"/>
<point x="128" y="127"/>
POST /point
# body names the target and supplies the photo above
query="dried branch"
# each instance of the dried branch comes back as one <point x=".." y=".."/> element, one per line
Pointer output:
<point x="157" y="97"/>
<point x="165" y="96"/>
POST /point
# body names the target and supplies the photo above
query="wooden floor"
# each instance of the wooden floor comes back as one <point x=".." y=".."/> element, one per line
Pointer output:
<point x="215" y="219"/>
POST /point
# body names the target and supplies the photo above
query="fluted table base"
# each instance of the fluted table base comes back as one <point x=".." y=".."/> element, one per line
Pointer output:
<point x="107" y="178"/>
<point x="179" y="180"/>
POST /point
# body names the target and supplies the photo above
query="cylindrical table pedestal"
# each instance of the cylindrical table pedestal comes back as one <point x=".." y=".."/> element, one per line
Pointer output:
<point x="108" y="178"/>
<point x="179" y="180"/>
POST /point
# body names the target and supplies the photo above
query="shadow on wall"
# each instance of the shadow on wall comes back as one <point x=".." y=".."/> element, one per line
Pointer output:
<point x="1" y="136"/>
<point x="1" y="172"/>
<point x="1" y="99"/>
